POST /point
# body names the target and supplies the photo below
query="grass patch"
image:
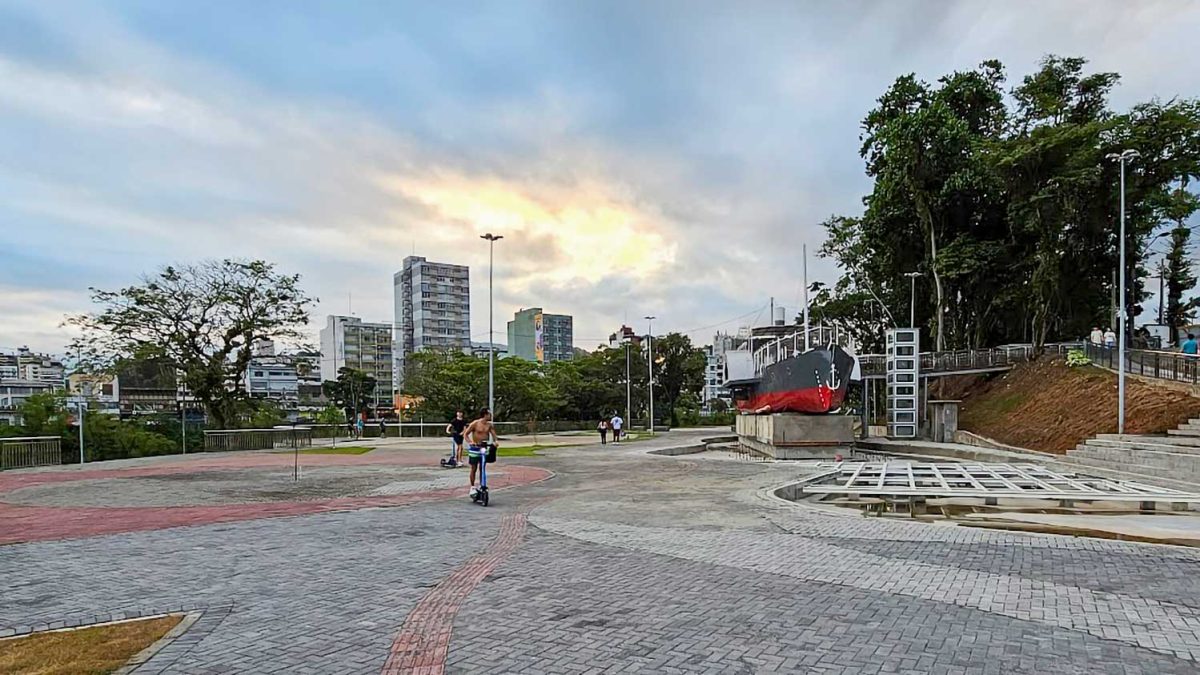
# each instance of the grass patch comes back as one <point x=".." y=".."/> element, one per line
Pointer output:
<point x="87" y="651"/>
<point x="520" y="450"/>
<point x="339" y="450"/>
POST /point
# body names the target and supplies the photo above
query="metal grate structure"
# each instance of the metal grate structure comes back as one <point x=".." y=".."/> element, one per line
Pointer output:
<point x="987" y="481"/>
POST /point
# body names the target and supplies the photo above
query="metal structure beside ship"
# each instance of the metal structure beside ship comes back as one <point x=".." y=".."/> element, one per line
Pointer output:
<point x="790" y="388"/>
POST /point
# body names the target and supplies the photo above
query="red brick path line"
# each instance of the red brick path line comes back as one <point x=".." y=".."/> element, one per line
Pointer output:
<point x="424" y="640"/>
<point x="19" y="523"/>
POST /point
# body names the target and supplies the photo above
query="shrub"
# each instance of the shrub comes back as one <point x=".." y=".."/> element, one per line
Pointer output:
<point x="1076" y="357"/>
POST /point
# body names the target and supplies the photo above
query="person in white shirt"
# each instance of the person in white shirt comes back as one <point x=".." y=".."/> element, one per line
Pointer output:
<point x="1110" y="338"/>
<point x="616" y="422"/>
<point x="1097" y="336"/>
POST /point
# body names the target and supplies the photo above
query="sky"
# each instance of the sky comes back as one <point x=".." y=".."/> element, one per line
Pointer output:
<point x="640" y="158"/>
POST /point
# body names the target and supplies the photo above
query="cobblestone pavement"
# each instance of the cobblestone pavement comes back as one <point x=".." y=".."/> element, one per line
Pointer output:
<point x="629" y="562"/>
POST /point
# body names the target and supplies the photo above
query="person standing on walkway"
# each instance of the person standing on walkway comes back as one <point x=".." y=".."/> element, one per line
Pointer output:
<point x="616" y="423"/>
<point x="1097" y="336"/>
<point x="455" y="428"/>
<point x="1110" y="338"/>
<point x="359" y="423"/>
<point x="382" y="428"/>
<point x="603" y="429"/>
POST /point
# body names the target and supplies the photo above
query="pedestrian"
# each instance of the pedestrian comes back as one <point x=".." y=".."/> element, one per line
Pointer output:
<point x="455" y="428"/>
<point x="603" y="428"/>
<point x="1191" y="353"/>
<point x="359" y="423"/>
<point x="1097" y="336"/>
<point x="615" y="424"/>
<point x="1110" y="338"/>
<point x="382" y="428"/>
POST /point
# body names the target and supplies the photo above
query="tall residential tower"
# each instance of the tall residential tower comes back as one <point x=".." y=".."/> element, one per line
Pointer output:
<point x="433" y="308"/>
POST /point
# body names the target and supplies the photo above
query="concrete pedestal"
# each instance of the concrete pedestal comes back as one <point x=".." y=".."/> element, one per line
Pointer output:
<point x="796" y="436"/>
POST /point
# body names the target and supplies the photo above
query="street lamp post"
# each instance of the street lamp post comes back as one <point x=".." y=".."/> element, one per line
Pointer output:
<point x="650" y="365"/>
<point x="628" y="382"/>
<point x="912" y="311"/>
<point x="491" y="239"/>
<point x="1122" y="158"/>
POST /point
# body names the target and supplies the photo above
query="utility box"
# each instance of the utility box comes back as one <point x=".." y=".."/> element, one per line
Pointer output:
<point x="943" y="420"/>
<point x="903" y="370"/>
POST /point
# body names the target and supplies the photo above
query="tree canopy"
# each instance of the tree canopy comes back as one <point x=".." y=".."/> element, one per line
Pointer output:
<point x="591" y="386"/>
<point x="1015" y="203"/>
<point x="201" y="320"/>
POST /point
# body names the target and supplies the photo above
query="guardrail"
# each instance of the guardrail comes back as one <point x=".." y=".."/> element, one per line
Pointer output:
<point x="257" y="439"/>
<point x="1173" y="366"/>
<point x="22" y="452"/>
<point x="963" y="360"/>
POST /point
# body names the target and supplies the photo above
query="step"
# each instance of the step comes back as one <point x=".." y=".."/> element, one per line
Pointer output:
<point x="1152" y="438"/>
<point x="1155" y="445"/>
<point x="1184" y="431"/>
<point x="1147" y="475"/>
<point x="1135" y="469"/>
<point x="1161" y="460"/>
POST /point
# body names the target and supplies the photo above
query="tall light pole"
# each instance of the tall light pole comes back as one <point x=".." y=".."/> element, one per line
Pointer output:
<point x="1122" y="157"/>
<point x="650" y="365"/>
<point x="912" y="312"/>
<point x="628" y="381"/>
<point x="491" y="239"/>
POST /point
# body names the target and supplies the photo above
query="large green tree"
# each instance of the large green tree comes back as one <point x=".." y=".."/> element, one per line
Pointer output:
<point x="201" y="319"/>
<point x="1007" y="204"/>
<point x="678" y="373"/>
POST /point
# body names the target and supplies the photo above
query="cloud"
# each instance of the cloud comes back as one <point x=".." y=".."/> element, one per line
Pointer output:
<point x="668" y="159"/>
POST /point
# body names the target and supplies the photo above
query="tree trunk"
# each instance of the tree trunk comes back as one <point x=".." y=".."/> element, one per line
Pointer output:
<point x="937" y="283"/>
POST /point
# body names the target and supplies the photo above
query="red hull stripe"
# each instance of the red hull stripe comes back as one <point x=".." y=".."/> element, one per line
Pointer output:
<point x="817" y="400"/>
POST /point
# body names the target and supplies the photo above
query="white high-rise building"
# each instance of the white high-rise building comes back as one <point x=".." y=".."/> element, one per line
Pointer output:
<point x="714" y="371"/>
<point x="432" y="308"/>
<point x="347" y="341"/>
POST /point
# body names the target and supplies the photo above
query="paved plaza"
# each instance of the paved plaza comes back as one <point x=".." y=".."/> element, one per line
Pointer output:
<point x="590" y="559"/>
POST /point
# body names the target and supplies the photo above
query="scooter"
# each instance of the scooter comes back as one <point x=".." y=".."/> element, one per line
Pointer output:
<point x="450" y="462"/>
<point x="481" y="493"/>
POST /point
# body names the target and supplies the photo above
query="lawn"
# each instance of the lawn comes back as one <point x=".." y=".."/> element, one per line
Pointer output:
<point x="90" y="651"/>
<point x="530" y="450"/>
<point x="334" y="450"/>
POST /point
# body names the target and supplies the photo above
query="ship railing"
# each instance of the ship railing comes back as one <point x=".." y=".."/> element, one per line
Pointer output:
<point x="786" y="347"/>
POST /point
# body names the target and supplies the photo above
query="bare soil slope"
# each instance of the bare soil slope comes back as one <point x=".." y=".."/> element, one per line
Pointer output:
<point x="1049" y="407"/>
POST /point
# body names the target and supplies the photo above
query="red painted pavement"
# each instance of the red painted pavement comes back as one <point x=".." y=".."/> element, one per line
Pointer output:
<point x="424" y="640"/>
<point x="19" y="523"/>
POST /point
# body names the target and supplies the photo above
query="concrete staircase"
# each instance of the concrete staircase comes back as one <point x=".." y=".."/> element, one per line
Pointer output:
<point x="1172" y="459"/>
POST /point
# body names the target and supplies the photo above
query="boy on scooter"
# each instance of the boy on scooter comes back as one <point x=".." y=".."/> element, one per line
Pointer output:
<point x="477" y="434"/>
<point x="455" y="429"/>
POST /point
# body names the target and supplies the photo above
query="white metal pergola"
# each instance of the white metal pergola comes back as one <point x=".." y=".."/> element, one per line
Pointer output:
<point x="986" y="481"/>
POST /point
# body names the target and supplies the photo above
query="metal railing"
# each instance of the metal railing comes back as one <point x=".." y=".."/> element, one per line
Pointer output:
<point x="958" y="361"/>
<point x="791" y="345"/>
<point x="22" y="452"/>
<point x="1173" y="366"/>
<point x="257" y="439"/>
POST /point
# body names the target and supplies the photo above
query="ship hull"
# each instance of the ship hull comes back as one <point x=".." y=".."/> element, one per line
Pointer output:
<point x="815" y="382"/>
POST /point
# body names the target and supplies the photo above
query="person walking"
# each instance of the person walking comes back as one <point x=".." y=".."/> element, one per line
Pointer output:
<point x="359" y="423"/>
<point x="603" y="428"/>
<point x="615" y="424"/>
<point x="1097" y="336"/>
<point x="382" y="428"/>
<point x="1110" y="338"/>
<point x="1191" y="354"/>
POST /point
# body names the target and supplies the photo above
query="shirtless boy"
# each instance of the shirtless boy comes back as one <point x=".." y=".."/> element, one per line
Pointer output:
<point x="477" y="434"/>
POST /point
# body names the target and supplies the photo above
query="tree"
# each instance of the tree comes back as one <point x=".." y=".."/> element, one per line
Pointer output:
<point x="202" y="320"/>
<point x="679" y="371"/>
<point x="1015" y="204"/>
<point x="351" y="391"/>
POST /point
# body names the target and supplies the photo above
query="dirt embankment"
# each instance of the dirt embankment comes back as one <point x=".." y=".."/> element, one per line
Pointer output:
<point x="1049" y="407"/>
